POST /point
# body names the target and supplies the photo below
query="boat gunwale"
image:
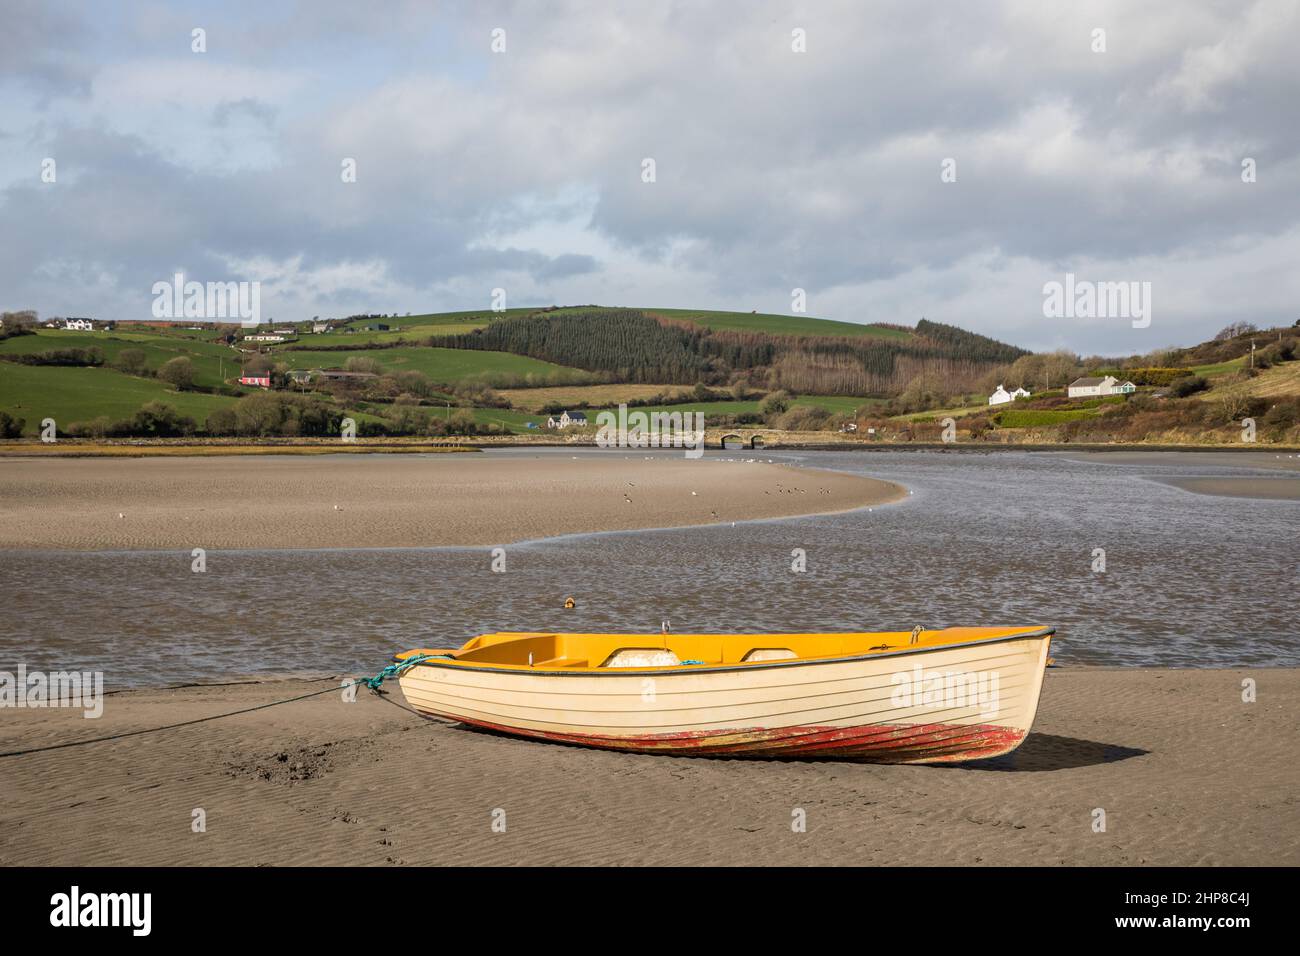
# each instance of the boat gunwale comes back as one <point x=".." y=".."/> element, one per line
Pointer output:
<point x="687" y="669"/>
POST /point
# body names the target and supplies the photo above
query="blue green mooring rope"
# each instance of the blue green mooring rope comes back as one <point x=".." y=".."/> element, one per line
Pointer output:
<point x="395" y="670"/>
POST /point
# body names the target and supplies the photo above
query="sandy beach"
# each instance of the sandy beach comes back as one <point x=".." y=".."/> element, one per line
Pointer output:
<point x="1282" y="487"/>
<point x="1225" y="458"/>
<point x="1186" y="773"/>
<point x="394" y="501"/>
<point x="1277" y="489"/>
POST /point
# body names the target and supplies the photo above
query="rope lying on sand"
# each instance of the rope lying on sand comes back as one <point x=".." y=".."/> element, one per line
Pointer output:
<point x="373" y="683"/>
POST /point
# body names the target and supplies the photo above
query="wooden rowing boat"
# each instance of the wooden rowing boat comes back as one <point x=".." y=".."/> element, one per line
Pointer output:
<point x="925" y="696"/>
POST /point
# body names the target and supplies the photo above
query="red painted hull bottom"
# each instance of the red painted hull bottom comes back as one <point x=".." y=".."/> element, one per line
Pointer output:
<point x="874" y="743"/>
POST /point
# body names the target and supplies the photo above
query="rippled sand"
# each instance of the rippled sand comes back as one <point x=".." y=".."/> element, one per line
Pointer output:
<point x="1223" y="458"/>
<point x="1280" y="489"/>
<point x="1185" y="771"/>
<point x="394" y="501"/>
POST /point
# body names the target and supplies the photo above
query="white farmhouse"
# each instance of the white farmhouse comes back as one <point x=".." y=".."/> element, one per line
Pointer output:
<point x="1093" y="387"/>
<point x="78" y="325"/>
<point x="1002" y="396"/>
<point x="566" y="420"/>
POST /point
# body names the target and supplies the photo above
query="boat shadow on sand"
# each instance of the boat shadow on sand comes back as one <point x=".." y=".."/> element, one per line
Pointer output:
<point x="1043" y="752"/>
<point x="1039" y="753"/>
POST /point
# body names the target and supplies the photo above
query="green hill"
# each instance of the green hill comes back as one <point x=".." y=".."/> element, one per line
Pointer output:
<point x="211" y="359"/>
<point x="421" y="364"/>
<point x="70" y="395"/>
<point x="442" y="366"/>
<point x="632" y="345"/>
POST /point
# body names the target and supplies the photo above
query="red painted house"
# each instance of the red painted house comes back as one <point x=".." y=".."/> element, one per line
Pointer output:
<point x="262" y="380"/>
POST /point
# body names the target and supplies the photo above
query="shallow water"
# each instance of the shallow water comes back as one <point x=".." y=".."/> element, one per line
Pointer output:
<point x="985" y="538"/>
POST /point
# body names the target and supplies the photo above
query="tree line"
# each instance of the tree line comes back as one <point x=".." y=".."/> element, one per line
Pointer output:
<point x="628" y="343"/>
<point x="634" y="346"/>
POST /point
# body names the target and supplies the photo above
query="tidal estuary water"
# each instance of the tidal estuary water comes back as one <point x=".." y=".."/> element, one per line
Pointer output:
<point x="1190" y="580"/>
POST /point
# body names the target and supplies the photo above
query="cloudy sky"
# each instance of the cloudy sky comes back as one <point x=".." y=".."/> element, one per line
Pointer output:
<point x="774" y="169"/>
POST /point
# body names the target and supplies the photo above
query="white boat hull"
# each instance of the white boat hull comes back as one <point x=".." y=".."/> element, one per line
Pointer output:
<point x="956" y="702"/>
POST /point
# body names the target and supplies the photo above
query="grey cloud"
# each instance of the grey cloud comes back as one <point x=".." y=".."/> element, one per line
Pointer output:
<point x="43" y="47"/>
<point x="254" y="109"/>
<point x="564" y="266"/>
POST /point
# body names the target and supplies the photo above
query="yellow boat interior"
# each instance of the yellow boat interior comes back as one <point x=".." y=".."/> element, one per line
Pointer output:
<point x="596" y="652"/>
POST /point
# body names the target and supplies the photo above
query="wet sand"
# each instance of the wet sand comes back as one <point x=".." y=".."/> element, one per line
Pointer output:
<point x="1186" y="772"/>
<point x="1277" y="489"/>
<point x="1280" y="488"/>
<point x="1234" y="458"/>
<point x="282" y="502"/>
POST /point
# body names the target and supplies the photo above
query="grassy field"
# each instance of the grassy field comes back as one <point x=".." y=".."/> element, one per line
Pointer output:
<point x="1275" y="382"/>
<point x="415" y="333"/>
<point x="461" y="320"/>
<point x="79" y="394"/>
<point x="594" y="396"/>
<point x="211" y="360"/>
<point x="408" y="327"/>
<point x="444" y="366"/>
<point x="1220" y="368"/>
<point x="205" y="333"/>
<point x="938" y="413"/>
<point x="780" y="324"/>
<point x="1040" y="417"/>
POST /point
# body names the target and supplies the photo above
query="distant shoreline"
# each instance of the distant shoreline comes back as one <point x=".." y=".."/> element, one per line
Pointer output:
<point x="216" y="447"/>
